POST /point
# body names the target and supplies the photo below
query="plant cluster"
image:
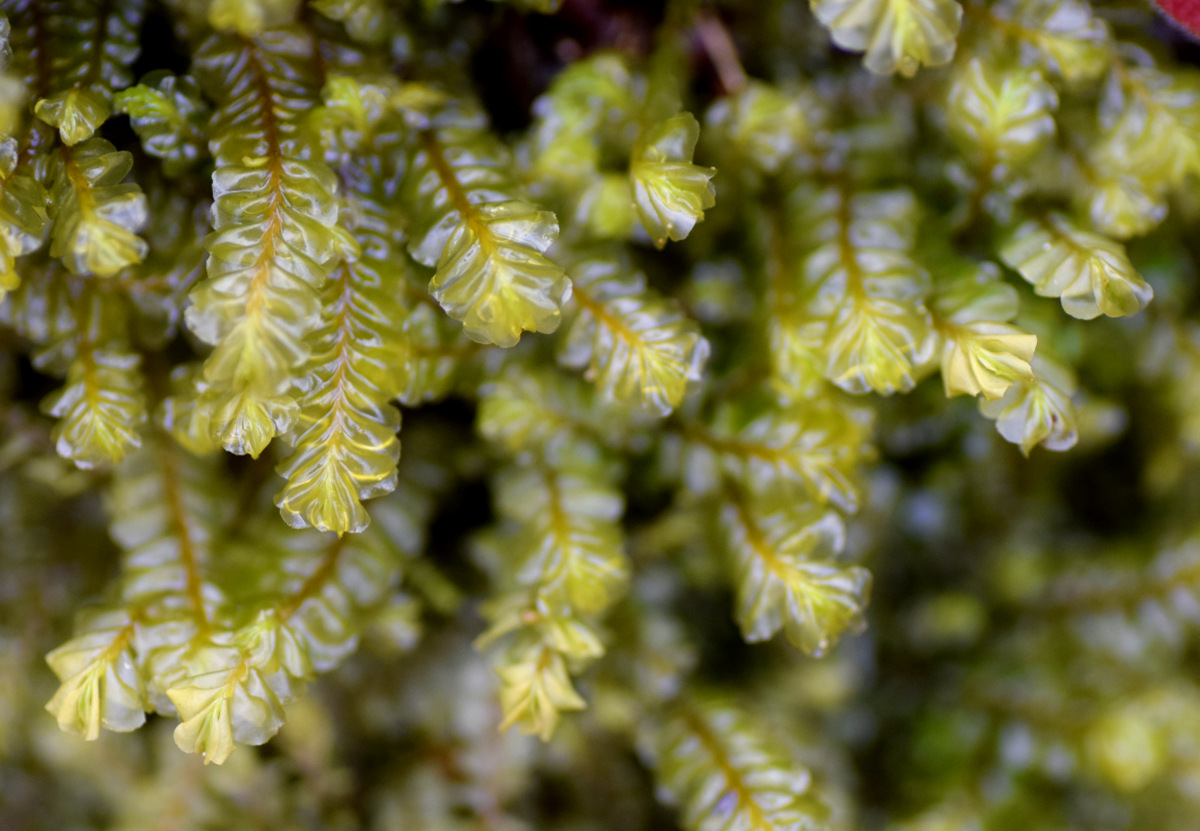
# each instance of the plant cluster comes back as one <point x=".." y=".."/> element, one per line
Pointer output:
<point x="658" y="289"/>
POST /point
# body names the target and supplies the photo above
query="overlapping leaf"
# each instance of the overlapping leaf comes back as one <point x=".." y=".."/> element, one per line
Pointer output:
<point x="788" y="578"/>
<point x="671" y="193"/>
<point x="274" y="238"/>
<point x="488" y="247"/>
<point x="1092" y="275"/>
<point x="639" y="349"/>
<point x="896" y="35"/>
<point x="725" y="773"/>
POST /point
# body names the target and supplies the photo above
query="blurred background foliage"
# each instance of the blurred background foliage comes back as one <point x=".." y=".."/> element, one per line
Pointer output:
<point x="1029" y="659"/>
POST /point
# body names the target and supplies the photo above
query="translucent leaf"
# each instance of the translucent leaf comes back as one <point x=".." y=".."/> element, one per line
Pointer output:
<point x="100" y="684"/>
<point x="222" y="706"/>
<point x="638" y="349"/>
<point x="982" y="353"/>
<point x="1149" y="118"/>
<point x="1037" y="411"/>
<point x="365" y="20"/>
<point x="23" y="221"/>
<point x="492" y="274"/>
<point x="250" y="17"/>
<point x="1063" y="34"/>
<point x="275" y="236"/>
<point x="810" y="450"/>
<point x="534" y="690"/>
<point x="1000" y="117"/>
<point x="787" y="577"/>
<point x="100" y="409"/>
<point x="77" y="113"/>
<point x="862" y="284"/>
<point x="169" y="116"/>
<point x="93" y="45"/>
<point x="571" y="547"/>
<point x="896" y="35"/>
<point x="430" y="350"/>
<point x="670" y="192"/>
<point x="345" y="448"/>
<point x="762" y="125"/>
<point x="878" y="344"/>
<point x="1092" y="275"/>
<point x="727" y="773"/>
<point x="95" y="215"/>
<point x="488" y="247"/>
<point x="542" y="411"/>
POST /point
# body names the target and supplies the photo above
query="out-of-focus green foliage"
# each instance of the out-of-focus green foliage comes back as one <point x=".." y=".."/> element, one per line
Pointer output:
<point x="682" y="531"/>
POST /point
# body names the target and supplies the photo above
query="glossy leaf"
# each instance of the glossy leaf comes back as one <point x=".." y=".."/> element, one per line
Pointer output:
<point x="670" y="192"/>
<point x="169" y="115"/>
<point x="96" y="216"/>
<point x="896" y="35"/>
<point x="637" y="348"/>
<point x="489" y="249"/>
<point x="1092" y="275"/>
<point x="787" y="576"/>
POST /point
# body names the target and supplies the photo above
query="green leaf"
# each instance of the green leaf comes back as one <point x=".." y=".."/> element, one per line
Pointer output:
<point x="670" y="192"/>
<point x="787" y="578"/>
<point x="100" y="684"/>
<point x="571" y="545"/>
<point x="488" y="247"/>
<point x="534" y="690"/>
<point x="639" y="350"/>
<point x="982" y="353"/>
<point x="275" y="236"/>
<point x="96" y="216"/>
<point x="726" y="773"/>
<point x="365" y="20"/>
<point x="896" y="35"/>
<point x="1001" y="117"/>
<point x="1064" y="34"/>
<point x="23" y="220"/>
<point x="250" y="17"/>
<point x="811" y="450"/>
<point x="77" y="113"/>
<point x="492" y="274"/>
<point x="761" y="125"/>
<point x="1037" y="411"/>
<point x="1092" y="275"/>
<point x="169" y="116"/>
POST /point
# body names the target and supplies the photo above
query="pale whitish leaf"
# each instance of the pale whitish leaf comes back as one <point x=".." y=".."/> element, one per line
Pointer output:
<point x="726" y="773"/>
<point x="100" y="682"/>
<point x="788" y="578"/>
<point x="1091" y="274"/>
<point x="638" y="348"/>
<point x="877" y="344"/>
<point x="543" y="410"/>
<point x="982" y="354"/>
<point x="1037" y="411"/>
<point x="670" y="192"/>
<point x="763" y="125"/>
<point x="896" y="35"/>
<point x="493" y="275"/>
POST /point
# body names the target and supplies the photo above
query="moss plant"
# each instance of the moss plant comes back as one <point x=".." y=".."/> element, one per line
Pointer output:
<point x="657" y="290"/>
